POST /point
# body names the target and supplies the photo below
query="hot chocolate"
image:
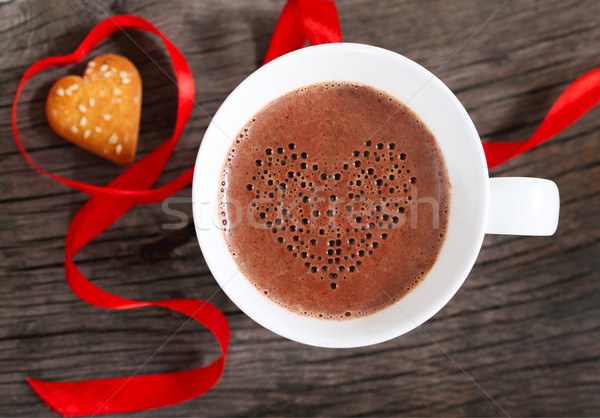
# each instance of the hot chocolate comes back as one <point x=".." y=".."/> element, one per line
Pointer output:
<point x="334" y="200"/>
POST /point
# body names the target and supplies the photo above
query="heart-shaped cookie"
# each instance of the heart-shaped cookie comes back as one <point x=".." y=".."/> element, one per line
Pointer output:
<point x="101" y="111"/>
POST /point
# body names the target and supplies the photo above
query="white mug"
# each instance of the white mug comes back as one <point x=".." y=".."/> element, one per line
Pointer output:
<point x="478" y="204"/>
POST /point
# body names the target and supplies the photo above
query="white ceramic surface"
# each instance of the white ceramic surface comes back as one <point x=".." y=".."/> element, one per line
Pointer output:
<point x="441" y="111"/>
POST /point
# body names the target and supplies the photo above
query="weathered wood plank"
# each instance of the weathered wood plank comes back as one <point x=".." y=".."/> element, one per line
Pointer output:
<point x="524" y="326"/>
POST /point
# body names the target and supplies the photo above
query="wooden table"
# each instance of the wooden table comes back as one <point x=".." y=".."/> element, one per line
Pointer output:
<point x="521" y="337"/>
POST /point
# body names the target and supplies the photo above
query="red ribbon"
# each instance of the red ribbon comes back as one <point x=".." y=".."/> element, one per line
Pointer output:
<point x="315" y="21"/>
<point x="107" y="204"/>
<point x="579" y="97"/>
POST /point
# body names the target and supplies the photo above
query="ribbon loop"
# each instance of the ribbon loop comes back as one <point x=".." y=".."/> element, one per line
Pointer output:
<point x="152" y="164"/>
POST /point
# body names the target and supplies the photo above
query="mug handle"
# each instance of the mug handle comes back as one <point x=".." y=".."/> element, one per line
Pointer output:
<point x="522" y="206"/>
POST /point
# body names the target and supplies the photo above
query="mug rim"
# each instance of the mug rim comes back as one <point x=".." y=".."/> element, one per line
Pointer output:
<point x="217" y="263"/>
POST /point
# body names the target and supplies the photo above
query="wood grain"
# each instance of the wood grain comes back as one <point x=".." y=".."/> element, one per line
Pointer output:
<point x="521" y="337"/>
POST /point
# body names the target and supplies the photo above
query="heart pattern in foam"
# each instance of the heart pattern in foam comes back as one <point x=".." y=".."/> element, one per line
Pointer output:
<point x="332" y="215"/>
<point x="101" y="111"/>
